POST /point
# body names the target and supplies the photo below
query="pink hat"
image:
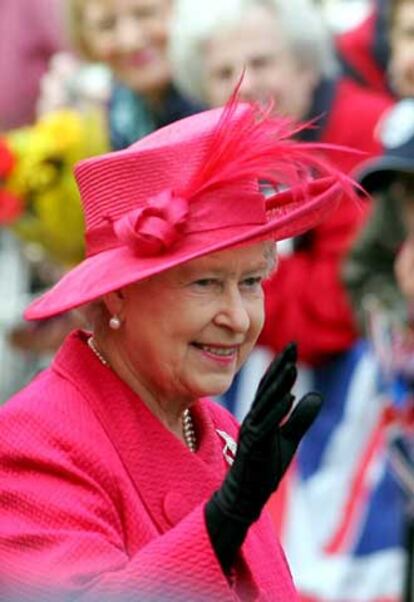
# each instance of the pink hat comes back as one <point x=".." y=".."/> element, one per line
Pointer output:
<point x="189" y="189"/>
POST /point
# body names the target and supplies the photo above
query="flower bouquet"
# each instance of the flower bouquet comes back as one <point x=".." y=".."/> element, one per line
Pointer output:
<point x="39" y="199"/>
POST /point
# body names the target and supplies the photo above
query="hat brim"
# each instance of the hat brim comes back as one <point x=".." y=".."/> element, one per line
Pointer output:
<point x="375" y="174"/>
<point x="120" y="266"/>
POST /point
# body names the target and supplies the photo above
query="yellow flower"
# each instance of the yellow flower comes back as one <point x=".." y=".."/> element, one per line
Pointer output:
<point x="43" y="177"/>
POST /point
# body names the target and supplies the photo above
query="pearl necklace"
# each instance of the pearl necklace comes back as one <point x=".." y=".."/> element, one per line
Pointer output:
<point x="189" y="431"/>
<point x="101" y="358"/>
<point x="188" y="425"/>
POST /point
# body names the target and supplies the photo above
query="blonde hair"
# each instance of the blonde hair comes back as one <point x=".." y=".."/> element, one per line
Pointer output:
<point x="74" y="18"/>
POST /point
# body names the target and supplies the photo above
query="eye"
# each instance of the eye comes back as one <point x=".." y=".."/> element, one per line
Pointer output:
<point x="205" y="282"/>
<point x="144" y="13"/>
<point x="260" y="62"/>
<point x="105" y="23"/>
<point x="252" y="283"/>
<point x="223" y="74"/>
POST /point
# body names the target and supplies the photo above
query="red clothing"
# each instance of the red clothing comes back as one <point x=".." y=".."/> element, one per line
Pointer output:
<point x="364" y="49"/>
<point x="102" y="502"/>
<point x="305" y="298"/>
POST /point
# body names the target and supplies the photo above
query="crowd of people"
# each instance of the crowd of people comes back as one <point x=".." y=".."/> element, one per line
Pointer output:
<point x="152" y="152"/>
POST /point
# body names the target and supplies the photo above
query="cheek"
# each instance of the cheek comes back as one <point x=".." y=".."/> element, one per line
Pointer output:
<point x="157" y="31"/>
<point x="158" y="44"/>
<point x="100" y="48"/>
<point x="215" y="88"/>
<point x="108" y="57"/>
<point x="160" y="356"/>
<point x="220" y="93"/>
<point x="260" y="318"/>
<point x="403" y="57"/>
<point x="301" y="84"/>
<point x="280" y="86"/>
<point x="257" y="317"/>
<point x="216" y="91"/>
<point x="159" y="35"/>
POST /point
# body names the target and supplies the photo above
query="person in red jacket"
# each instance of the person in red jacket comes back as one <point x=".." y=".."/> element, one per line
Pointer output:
<point x="363" y="51"/>
<point x="291" y="62"/>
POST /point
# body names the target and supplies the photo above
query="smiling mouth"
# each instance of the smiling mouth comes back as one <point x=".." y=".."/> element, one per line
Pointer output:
<point x="141" y="58"/>
<point x="219" y="351"/>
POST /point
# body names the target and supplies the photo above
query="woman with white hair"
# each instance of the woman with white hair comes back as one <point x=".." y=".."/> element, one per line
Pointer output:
<point x="296" y="53"/>
<point x="290" y="62"/>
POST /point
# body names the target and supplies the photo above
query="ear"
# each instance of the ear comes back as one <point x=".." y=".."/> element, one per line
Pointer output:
<point x="114" y="302"/>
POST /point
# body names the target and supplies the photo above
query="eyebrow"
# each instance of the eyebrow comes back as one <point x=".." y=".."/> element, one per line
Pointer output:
<point x="263" y="265"/>
<point x="189" y="271"/>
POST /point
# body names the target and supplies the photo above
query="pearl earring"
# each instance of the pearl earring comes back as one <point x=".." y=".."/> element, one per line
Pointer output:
<point x="115" y="323"/>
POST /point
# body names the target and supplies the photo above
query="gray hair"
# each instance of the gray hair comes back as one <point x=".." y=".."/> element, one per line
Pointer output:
<point x="95" y="315"/>
<point x="270" y="254"/>
<point x="196" y="21"/>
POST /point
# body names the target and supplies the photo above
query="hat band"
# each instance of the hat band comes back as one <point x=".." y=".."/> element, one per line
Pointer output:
<point x="153" y="228"/>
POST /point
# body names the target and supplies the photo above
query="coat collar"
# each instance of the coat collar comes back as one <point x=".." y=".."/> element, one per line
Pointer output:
<point x="169" y="478"/>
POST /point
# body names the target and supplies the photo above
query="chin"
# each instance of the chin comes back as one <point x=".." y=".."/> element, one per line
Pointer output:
<point x="216" y="387"/>
<point x="148" y="84"/>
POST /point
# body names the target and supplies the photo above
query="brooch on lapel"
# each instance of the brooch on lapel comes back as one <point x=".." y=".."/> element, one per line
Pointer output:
<point x="230" y="446"/>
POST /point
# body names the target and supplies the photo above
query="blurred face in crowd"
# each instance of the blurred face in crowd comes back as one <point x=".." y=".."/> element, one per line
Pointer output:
<point x="259" y="46"/>
<point x="401" y="67"/>
<point x="130" y="36"/>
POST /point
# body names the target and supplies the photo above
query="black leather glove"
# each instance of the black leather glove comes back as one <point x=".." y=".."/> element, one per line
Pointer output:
<point x="266" y="447"/>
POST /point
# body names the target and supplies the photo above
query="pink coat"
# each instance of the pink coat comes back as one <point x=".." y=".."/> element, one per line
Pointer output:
<point x="99" y="500"/>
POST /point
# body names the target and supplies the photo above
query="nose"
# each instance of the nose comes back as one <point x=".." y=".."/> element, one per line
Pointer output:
<point x="130" y="34"/>
<point x="233" y="313"/>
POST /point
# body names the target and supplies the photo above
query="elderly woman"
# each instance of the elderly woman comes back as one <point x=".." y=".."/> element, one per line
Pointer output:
<point x="119" y="479"/>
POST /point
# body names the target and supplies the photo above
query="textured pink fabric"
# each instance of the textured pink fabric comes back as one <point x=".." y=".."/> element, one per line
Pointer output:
<point x="98" y="500"/>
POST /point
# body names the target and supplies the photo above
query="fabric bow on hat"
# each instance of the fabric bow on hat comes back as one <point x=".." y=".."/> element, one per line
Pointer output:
<point x="152" y="229"/>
